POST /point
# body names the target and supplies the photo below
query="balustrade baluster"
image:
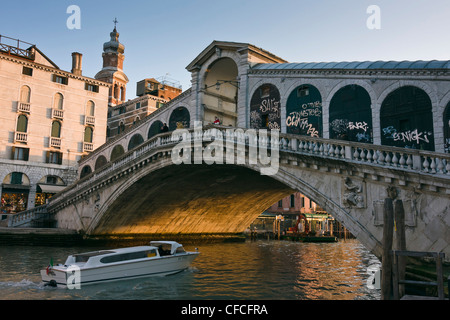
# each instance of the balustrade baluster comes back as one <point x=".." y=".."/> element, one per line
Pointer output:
<point x="356" y="154"/>
<point x="425" y="164"/>
<point x="433" y="165"/>
<point x="388" y="158"/>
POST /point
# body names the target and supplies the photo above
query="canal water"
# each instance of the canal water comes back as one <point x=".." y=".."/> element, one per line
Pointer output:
<point x="251" y="270"/>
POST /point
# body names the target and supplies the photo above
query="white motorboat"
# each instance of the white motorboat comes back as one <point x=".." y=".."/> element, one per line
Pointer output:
<point x="160" y="258"/>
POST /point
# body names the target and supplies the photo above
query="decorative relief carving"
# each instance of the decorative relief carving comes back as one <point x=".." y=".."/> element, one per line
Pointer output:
<point x="353" y="194"/>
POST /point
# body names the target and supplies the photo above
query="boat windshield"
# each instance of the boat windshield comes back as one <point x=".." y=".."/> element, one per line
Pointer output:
<point x="129" y="256"/>
<point x="84" y="257"/>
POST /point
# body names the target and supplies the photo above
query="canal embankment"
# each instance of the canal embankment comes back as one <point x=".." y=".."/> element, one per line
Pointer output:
<point x="64" y="237"/>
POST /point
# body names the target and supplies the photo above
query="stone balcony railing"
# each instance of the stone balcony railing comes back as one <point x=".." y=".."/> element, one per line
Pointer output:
<point x="89" y="120"/>
<point x="23" y="107"/>
<point x="20" y="136"/>
<point x="57" y="113"/>
<point x="55" y="142"/>
<point x="88" y="147"/>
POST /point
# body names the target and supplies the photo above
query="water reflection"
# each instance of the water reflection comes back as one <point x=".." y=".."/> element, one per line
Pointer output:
<point x="251" y="270"/>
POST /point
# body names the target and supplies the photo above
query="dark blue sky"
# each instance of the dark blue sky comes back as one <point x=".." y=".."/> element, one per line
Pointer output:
<point x="163" y="37"/>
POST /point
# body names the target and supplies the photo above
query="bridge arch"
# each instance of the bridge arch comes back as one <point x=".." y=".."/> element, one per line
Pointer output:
<point x="220" y="91"/>
<point x="116" y="152"/>
<point x="179" y="118"/>
<point x="168" y="198"/>
<point x="265" y="107"/>
<point x="406" y="119"/>
<point x="447" y="128"/>
<point x="135" y="140"/>
<point x="85" y="171"/>
<point x="304" y="111"/>
<point x="154" y="129"/>
<point x="350" y="114"/>
<point x="100" y="162"/>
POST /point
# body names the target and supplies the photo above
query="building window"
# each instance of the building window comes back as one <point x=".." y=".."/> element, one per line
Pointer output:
<point x="138" y="105"/>
<point x="22" y="123"/>
<point x="88" y="134"/>
<point x="25" y="94"/>
<point x="54" y="157"/>
<point x="56" y="129"/>
<point x="58" y="101"/>
<point x="27" y="71"/>
<point x="280" y="204"/>
<point x="91" y="87"/>
<point x="60" y="79"/>
<point x="16" y="178"/>
<point x="20" y="153"/>
<point x="292" y="201"/>
<point x="303" y="91"/>
<point x="90" y="108"/>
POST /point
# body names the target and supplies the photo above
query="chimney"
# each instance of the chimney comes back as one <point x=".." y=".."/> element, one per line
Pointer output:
<point x="76" y="63"/>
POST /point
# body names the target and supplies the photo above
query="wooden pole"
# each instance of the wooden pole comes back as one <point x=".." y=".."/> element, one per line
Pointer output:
<point x="400" y="242"/>
<point x="386" y="263"/>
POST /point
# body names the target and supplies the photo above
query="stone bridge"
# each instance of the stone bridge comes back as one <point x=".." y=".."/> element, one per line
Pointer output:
<point x="340" y="133"/>
<point x="219" y="186"/>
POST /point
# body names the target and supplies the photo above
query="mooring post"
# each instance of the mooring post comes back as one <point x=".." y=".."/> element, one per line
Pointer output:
<point x="386" y="259"/>
<point x="400" y="242"/>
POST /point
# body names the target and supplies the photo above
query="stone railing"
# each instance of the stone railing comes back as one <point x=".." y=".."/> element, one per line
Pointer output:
<point x="386" y="156"/>
<point x="26" y="218"/>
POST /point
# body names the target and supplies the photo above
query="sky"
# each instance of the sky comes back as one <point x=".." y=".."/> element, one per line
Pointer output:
<point x="162" y="37"/>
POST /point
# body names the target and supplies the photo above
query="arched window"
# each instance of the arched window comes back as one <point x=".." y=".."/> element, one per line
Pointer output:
<point x="155" y="129"/>
<point x="90" y="108"/>
<point x="100" y="162"/>
<point x="85" y="171"/>
<point x="116" y="91"/>
<point x="304" y="111"/>
<point x="58" y="101"/>
<point x="122" y="93"/>
<point x="88" y="134"/>
<point x="116" y="152"/>
<point x="351" y="115"/>
<point x="179" y="118"/>
<point x="135" y="141"/>
<point x="25" y="94"/>
<point x="121" y="127"/>
<point x="447" y="128"/>
<point x="265" y="108"/>
<point x="406" y="119"/>
<point x="56" y="129"/>
<point x="22" y="123"/>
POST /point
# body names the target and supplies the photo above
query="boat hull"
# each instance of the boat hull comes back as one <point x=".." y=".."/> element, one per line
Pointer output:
<point x="160" y="266"/>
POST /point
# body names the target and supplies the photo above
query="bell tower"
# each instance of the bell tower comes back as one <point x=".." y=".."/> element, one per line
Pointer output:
<point x="112" y="71"/>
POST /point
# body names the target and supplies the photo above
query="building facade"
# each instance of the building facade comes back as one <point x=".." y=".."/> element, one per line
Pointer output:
<point x="126" y="114"/>
<point x="50" y="119"/>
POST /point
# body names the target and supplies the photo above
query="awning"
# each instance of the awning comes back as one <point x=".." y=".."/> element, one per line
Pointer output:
<point x="51" y="188"/>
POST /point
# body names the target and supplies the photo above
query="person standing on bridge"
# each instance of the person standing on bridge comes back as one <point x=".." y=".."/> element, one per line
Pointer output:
<point x="164" y="128"/>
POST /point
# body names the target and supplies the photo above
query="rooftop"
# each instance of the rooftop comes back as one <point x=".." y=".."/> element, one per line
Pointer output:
<point x="433" y="64"/>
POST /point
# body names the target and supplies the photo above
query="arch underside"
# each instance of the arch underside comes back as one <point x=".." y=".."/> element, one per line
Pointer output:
<point x="191" y="199"/>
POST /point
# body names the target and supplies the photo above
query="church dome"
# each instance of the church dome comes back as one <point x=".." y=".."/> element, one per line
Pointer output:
<point x="114" y="45"/>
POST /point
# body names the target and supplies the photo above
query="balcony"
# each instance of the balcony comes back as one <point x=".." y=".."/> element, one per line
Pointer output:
<point x="57" y="114"/>
<point x="55" y="142"/>
<point x="23" y="107"/>
<point x="88" y="147"/>
<point x="20" y="137"/>
<point x="89" y="120"/>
